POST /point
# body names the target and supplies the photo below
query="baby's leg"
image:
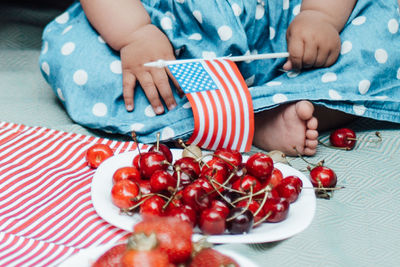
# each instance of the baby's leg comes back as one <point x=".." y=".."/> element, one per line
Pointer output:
<point x="295" y="125"/>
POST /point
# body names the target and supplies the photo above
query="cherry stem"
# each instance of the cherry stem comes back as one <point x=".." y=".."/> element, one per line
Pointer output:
<point x="226" y="161"/>
<point x="264" y="190"/>
<point x="178" y="182"/>
<point x="246" y="208"/>
<point x="306" y="161"/>
<point x="134" y="137"/>
<point x="335" y="147"/>
<point x="158" y="141"/>
<point x="264" y="200"/>
<point x="216" y="190"/>
<point x="324" y="188"/>
<point x="263" y="219"/>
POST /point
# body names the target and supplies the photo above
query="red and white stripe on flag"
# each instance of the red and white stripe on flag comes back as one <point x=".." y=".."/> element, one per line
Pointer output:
<point x="221" y="103"/>
<point x="46" y="213"/>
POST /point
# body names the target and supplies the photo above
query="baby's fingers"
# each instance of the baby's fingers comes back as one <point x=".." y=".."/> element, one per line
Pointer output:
<point x="146" y="81"/>
<point x="296" y="52"/>
<point x="161" y="81"/>
<point x="175" y="82"/>
<point x="128" y="87"/>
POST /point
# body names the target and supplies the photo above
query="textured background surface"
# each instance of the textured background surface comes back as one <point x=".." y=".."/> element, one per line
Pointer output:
<point x="359" y="226"/>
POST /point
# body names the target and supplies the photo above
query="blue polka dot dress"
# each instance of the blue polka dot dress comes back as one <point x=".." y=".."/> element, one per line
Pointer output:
<point x="86" y="75"/>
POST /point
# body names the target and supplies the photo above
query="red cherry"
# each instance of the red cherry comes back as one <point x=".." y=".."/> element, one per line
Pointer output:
<point x="275" y="179"/>
<point x="196" y="197"/>
<point x="152" y="206"/>
<point x="126" y="173"/>
<point x="184" y="212"/>
<point x="214" y="165"/>
<point x="322" y="176"/>
<point x="290" y="188"/>
<point x="123" y="194"/>
<point x="188" y="163"/>
<point x="163" y="149"/>
<point x="211" y="222"/>
<point x="260" y="166"/>
<point x="278" y="209"/>
<point x="234" y="157"/>
<point x="135" y="161"/>
<point x="221" y="207"/>
<point x="98" y="153"/>
<point x="144" y="186"/>
<point x="161" y="180"/>
<point x="186" y="176"/>
<point x="343" y="137"/>
<point x="217" y="178"/>
<point x="246" y="183"/>
<point x="150" y="162"/>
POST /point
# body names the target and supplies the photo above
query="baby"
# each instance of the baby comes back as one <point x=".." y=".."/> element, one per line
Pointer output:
<point x="145" y="31"/>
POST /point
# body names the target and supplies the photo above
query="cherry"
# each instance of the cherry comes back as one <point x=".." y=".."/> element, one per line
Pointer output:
<point x="217" y="178"/>
<point x="161" y="180"/>
<point x="343" y="137"/>
<point x="163" y="149"/>
<point x="276" y="209"/>
<point x="215" y="165"/>
<point x="239" y="221"/>
<point x="126" y="173"/>
<point x="135" y="161"/>
<point x="275" y="178"/>
<point x="253" y="206"/>
<point x="144" y="186"/>
<point x="211" y="222"/>
<point x="221" y="207"/>
<point x="196" y="197"/>
<point x="234" y="157"/>
<point x="290" y="188"/>
<point x="322" y="176"/>
<point x="245" y="184"/>
<point x="187" y="175"/>
<point x="188" y="163"/>
<point x="184" y="212"/>
<point x="229" y="197"/>
<point x="150" y="162"/>
<point x="260" y="166"/>
<point x="152" y="206"/>
<point x="206" y="185"/>
<point x="123" y="194"/>
<point x="98" y="153"/>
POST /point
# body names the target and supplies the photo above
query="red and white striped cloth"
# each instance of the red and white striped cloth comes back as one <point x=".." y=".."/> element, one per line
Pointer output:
<point x="46" y="213"/>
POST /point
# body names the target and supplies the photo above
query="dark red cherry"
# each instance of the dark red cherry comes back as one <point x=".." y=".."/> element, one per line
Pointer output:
<point x="186" y="176"/>
<point x="253" y="206"/>
<point x="150" y="162"/>
<point x="278" y="208"/>
<point x="163" y="149"/>
<point x="233" y="157"/>
<point x="244" y="184"/>
<point x="135" y="161"/>
<point x="239" y="221"/>
<point x="221" y="207"/>
<point x="322" y="176"/>
<point x="196" y="197"/>
<point x="211" y="222"/>
<point x="343" y="137"/>
<point x="260" y="166"/>
<point x="229" y="197"/>
<point x="289" y="188"/>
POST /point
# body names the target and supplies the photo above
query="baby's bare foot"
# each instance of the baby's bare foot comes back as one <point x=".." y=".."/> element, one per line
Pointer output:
<point x="286" y="127"/>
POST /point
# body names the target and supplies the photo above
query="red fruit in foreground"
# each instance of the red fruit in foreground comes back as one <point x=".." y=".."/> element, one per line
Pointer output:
<point x="152" y="206"/>
<point x="290" y="188"/>
<point x="343" y="137"/>
<point x="161" y="180"/>
<point x="322" y="176"/>
<point x="173" y="235"/>
<point x="126" y="173"/>
<point x="184" y="212"/>
<point x="260" y="165"/>
<point x="209" y="257"/>
<point x="98" y="153"/>
<point x="123" y="194"/>
<point x="112" y="257"/>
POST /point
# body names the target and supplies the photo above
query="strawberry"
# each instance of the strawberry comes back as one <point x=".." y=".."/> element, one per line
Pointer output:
<point x="142" y="250"/>
<point x="209" y="257"/>
<point x="112" y="257"/>
<point x="173" y="235"/>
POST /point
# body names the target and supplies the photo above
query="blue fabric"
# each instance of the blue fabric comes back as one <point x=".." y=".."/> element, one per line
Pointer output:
<point x="85" y="72"/>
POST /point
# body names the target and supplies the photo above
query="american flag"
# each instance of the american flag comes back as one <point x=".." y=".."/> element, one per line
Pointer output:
<point x="221" y="104"/>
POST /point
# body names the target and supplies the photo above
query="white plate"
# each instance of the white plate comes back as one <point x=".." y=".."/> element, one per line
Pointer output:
<point x="86" y="257"/>
<point x="299" y="218"/>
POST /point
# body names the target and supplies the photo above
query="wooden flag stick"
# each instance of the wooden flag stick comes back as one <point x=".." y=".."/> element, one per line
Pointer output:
<point x="163" y="63"/>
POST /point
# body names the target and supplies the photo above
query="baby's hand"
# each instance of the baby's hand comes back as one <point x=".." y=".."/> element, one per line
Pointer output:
<point x="312" y="41"/>
<point x="147" y="44"/>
